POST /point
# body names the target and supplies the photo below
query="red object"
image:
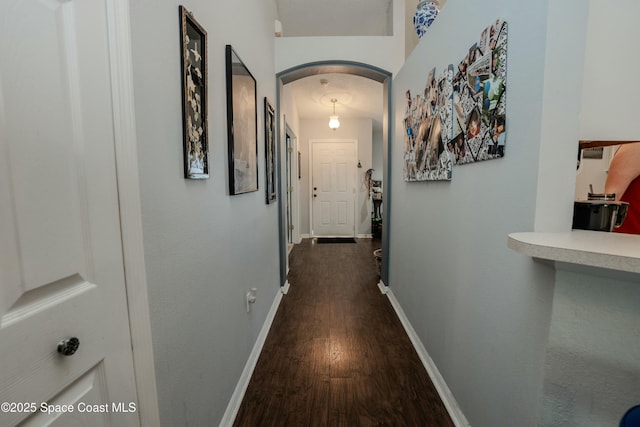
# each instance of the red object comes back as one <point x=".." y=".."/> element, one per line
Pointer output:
<point x="631" y="224"/>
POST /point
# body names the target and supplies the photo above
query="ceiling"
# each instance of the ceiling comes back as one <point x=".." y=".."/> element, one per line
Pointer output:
<point x="358" y="97"/>
<point x="301" y="18"/>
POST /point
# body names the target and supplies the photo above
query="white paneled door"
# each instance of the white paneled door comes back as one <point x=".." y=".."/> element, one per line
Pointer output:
<point x="333" y="188"/>
<point x="61" y="261"/>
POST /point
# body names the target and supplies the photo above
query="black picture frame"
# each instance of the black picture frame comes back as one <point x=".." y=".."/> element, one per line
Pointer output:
<point x="270" y="151"/>
<point x="242" y="129"/>
<point x="193" y="55"/>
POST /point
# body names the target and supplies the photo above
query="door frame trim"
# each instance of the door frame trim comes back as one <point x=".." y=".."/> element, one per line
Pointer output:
<point x="121" y="68"/>
<point x="295" y="201"/>
<point x="355" y="181"/>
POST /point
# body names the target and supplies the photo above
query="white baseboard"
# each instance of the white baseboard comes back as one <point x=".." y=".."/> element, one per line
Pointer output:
<point x="365" y="236"/>
<point x="449" y="401"/>
<point x="285" y="288"/>
<point x="238" y="394"/>
<point x="305" y="236"/>
<point x="384" y="289"/>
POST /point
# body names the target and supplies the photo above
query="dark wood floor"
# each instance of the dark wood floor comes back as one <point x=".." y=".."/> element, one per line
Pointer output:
<point x="337" y="354"/>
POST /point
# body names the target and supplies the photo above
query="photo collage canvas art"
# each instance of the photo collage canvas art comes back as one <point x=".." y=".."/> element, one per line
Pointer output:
<point x="461" y="116"/>
<point x="479" y="92"/>
<point x="428" y="130"/>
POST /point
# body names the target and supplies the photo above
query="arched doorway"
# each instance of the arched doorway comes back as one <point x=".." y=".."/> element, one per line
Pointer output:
<point x="328" y="67"/>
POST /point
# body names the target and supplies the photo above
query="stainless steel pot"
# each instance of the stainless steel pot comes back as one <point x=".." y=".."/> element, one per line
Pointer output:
<point x="599" y="215"/>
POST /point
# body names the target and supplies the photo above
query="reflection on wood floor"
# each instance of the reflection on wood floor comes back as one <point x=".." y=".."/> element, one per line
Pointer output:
<point x="337" y="354"/>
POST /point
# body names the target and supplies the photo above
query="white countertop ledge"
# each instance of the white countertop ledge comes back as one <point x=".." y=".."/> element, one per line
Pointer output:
<point x="613" y="251"/>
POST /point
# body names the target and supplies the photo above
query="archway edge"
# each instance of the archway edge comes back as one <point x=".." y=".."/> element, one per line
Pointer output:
<point x="334" y="66"/>
<point x="345" y="67"/>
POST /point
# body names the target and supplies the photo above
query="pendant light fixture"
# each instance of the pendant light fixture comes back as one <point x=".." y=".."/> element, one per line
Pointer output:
<point x="334" y="123"/>
<point x="425" y="15"/>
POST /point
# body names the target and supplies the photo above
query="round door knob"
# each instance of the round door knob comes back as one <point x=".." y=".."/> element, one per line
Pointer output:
<point x="69" y="346"/>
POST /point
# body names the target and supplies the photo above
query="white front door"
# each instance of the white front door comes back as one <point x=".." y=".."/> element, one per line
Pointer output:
<point x="333" y="189"/>
<point x="61" y="261"/>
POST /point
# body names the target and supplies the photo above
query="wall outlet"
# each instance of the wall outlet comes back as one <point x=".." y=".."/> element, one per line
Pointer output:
<point x="251" y="298"/>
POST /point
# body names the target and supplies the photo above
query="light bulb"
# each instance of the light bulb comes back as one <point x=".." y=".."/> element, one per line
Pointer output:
<point x="334" y="123"/>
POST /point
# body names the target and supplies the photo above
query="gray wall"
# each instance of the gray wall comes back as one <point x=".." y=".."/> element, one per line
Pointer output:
<point x="482" y="311"/>
<point x="204" y="249"/>
<point x="592" y="368"/>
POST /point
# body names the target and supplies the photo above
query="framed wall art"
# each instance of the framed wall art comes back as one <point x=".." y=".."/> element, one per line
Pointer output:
<point x="193" y="53"/>
<point x="270" y="150"/>
<point x="242" y="130"/>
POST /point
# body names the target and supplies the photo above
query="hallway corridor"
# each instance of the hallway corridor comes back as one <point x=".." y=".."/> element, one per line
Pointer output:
<point x="336" y="354"/>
